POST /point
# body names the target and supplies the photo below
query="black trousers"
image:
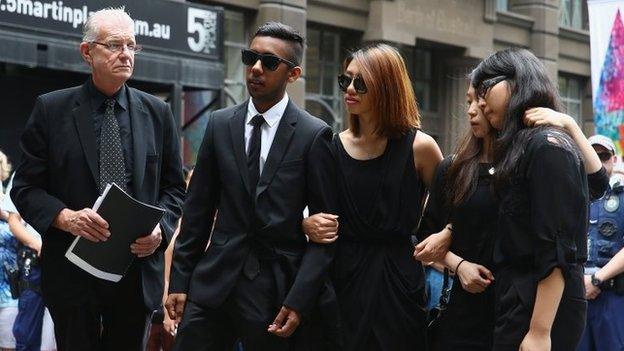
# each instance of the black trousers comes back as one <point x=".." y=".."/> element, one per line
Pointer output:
<point x="245" y="315"/>
<point x="108" y="316"/>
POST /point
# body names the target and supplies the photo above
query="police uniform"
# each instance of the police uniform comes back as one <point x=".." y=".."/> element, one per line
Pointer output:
<point x="605" y="315"/>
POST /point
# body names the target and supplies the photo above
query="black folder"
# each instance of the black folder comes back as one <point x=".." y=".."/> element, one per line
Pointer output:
<point x="128" y="219"/>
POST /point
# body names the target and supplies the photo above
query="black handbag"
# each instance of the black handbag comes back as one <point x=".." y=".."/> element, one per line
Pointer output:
<point x="434" y="315"/>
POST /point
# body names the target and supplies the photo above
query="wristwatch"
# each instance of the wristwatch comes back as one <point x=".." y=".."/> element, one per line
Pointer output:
<point x="595" y="281"/>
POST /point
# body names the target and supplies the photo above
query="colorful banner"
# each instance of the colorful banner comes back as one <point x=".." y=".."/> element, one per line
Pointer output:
<point x="607" y="64"/>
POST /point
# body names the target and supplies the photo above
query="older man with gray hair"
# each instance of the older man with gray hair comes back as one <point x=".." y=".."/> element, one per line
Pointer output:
<point x="76" y="141"/>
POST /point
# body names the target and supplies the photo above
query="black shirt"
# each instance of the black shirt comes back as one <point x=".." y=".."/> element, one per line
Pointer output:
<point x="122" y="114"/>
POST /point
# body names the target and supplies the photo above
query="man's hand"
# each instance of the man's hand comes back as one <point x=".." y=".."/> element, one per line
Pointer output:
<point x="434" y="247"/>
<point x="146" y="245"/>
<point x="285" y="323"/>
<point x="321" y="228"/>
<point x="175" y="306"/>
<point x="591" y="291"/>
<point x="85" y="223"/>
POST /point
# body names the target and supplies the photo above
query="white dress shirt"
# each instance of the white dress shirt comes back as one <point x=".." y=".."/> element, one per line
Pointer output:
<point x="272" y="117"/>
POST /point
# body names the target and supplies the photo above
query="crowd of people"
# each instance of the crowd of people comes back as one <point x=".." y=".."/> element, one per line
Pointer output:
<point x="505" y="215"/>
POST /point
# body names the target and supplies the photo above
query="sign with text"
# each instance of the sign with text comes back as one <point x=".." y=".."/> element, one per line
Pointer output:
<point x="167" y="25"/>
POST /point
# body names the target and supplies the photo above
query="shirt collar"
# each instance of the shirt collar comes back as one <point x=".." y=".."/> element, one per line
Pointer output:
<point x="98" y="98"/>
<point x="272" y="115"/>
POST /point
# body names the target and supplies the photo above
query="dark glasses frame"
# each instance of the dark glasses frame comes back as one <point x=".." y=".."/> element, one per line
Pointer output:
<point x="344" y="81"/>
<point x="487" y="84"/>
<point x="271" y="62"/>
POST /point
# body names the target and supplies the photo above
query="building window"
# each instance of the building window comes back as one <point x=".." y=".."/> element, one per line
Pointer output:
<point x="235" y="40"/>
<point x="501" y="5"/>
<point x="573" y="13"/>
<point x="323" y="65"/>
<point x="420" y="68"/>
<point x="571" y="91"/>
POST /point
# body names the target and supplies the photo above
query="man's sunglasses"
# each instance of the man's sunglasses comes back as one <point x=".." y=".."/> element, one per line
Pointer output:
<point x="604" y="156"/>
<point x="487" y="84"/>
<point x="358" y="83"/>
<point x="271" y="62"/>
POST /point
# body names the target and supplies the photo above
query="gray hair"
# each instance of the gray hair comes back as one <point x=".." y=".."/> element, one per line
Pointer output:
<point x="91" y="28"/>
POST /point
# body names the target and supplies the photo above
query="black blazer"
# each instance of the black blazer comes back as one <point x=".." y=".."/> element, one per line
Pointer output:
<point x="59" y="168"/>
<point x="252" y="223"/>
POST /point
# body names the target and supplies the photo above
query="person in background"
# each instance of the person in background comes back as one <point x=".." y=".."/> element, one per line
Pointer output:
<point x="604" y="278"/>
<point x="33" y="328"/>
<point x="8" y="257"/>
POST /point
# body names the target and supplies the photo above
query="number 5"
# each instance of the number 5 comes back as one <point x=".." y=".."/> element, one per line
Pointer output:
<point x="196" y="27"/>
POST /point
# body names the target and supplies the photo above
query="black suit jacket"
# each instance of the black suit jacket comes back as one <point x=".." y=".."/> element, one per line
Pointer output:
<point x="59" y="168"/>
<point x="264" y="222"/>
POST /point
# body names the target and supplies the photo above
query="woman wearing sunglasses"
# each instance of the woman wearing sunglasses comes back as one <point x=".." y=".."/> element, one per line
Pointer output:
<point x="462" y="206"/>
<point x="540" y="241"/>
<point x="384" y="164"/>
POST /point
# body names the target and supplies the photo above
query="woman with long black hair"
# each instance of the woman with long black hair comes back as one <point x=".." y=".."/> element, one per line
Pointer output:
<point x="540" y="180"/>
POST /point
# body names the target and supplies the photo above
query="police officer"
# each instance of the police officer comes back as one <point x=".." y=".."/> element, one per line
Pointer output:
<point x="604" y="278"/>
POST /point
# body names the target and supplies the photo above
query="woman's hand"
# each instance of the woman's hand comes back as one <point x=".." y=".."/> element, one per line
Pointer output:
<point x="321" y="228"/>
<point x="169" y="325"/>
<point x="434" y="247"/>
<point x="539" y="116"/>
<point x="536" y="341"/>
<point x="473" y="277"/>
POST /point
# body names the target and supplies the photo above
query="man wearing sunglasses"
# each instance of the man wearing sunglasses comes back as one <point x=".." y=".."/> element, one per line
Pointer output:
<point x="604" y="278"/>
<point x="260" y="164"/>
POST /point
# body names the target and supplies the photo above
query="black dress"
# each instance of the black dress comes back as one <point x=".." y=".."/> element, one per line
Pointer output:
<point x="468" y="322"/>
<point x="380" y="287"/>
<point x="542" y="226"/>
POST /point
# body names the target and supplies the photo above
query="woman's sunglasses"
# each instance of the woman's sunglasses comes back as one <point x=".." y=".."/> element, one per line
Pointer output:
<point x="271" y="62"/>
<point x="487" y="84"/>
<point x="358" y="83"/>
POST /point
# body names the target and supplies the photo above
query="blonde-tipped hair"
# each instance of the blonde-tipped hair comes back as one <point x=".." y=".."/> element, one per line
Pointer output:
<point x="91" y="29"/>
<point x="389" y="88"/>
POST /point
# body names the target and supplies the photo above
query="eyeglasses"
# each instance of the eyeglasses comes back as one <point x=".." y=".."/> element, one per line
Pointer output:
<point x="487" y="84"/>
<point x="271" y="62"/>
<point x="117" y="47"/>
<point x="604" y="156"/>
<point x="358" y="83"/>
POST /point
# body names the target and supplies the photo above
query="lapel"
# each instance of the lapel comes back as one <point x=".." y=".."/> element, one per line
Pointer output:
<point x="281" y="141"/>
<point x="237" y="132"/>
<point x="83" y="119"/>
<point x="139" y="119"/>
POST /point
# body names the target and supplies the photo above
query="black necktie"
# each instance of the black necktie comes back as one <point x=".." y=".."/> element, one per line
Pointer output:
<point x="253" y="153"/>
<point x="112" y="166"/>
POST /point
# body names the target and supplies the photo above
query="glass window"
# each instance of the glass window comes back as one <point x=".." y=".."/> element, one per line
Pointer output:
<point x="323" y="65"/>
<point x="571" y="91"/>
<point x="501" y="5"/>
<point x="235" y="40"/>
<point x="573" y="13"/>
<point x="419" y="66"/>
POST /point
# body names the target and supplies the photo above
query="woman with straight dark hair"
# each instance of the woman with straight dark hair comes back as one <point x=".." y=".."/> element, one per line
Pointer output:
<point x="384" y="164"/>
<point x="463" y="206"/>
<point x="539" y="178"/>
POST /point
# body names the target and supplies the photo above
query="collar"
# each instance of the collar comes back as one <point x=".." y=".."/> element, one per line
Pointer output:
<point x="97" y="97"/>
<point x="272" y="115"/>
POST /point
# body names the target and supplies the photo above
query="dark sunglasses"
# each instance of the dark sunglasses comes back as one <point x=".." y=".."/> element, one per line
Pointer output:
<point x="604" y="156"/>
<point x="487" y="84"/>
<point x="358" y="83"/>
<point x="271" y="62"/>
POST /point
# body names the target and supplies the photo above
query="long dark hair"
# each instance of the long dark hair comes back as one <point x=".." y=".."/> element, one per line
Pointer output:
<point x="463" y="173"/>
<point x="530" y="86"/>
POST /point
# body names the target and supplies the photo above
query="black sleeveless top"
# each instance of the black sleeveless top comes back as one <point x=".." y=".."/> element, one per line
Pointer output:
<point x="380" y="287"/>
